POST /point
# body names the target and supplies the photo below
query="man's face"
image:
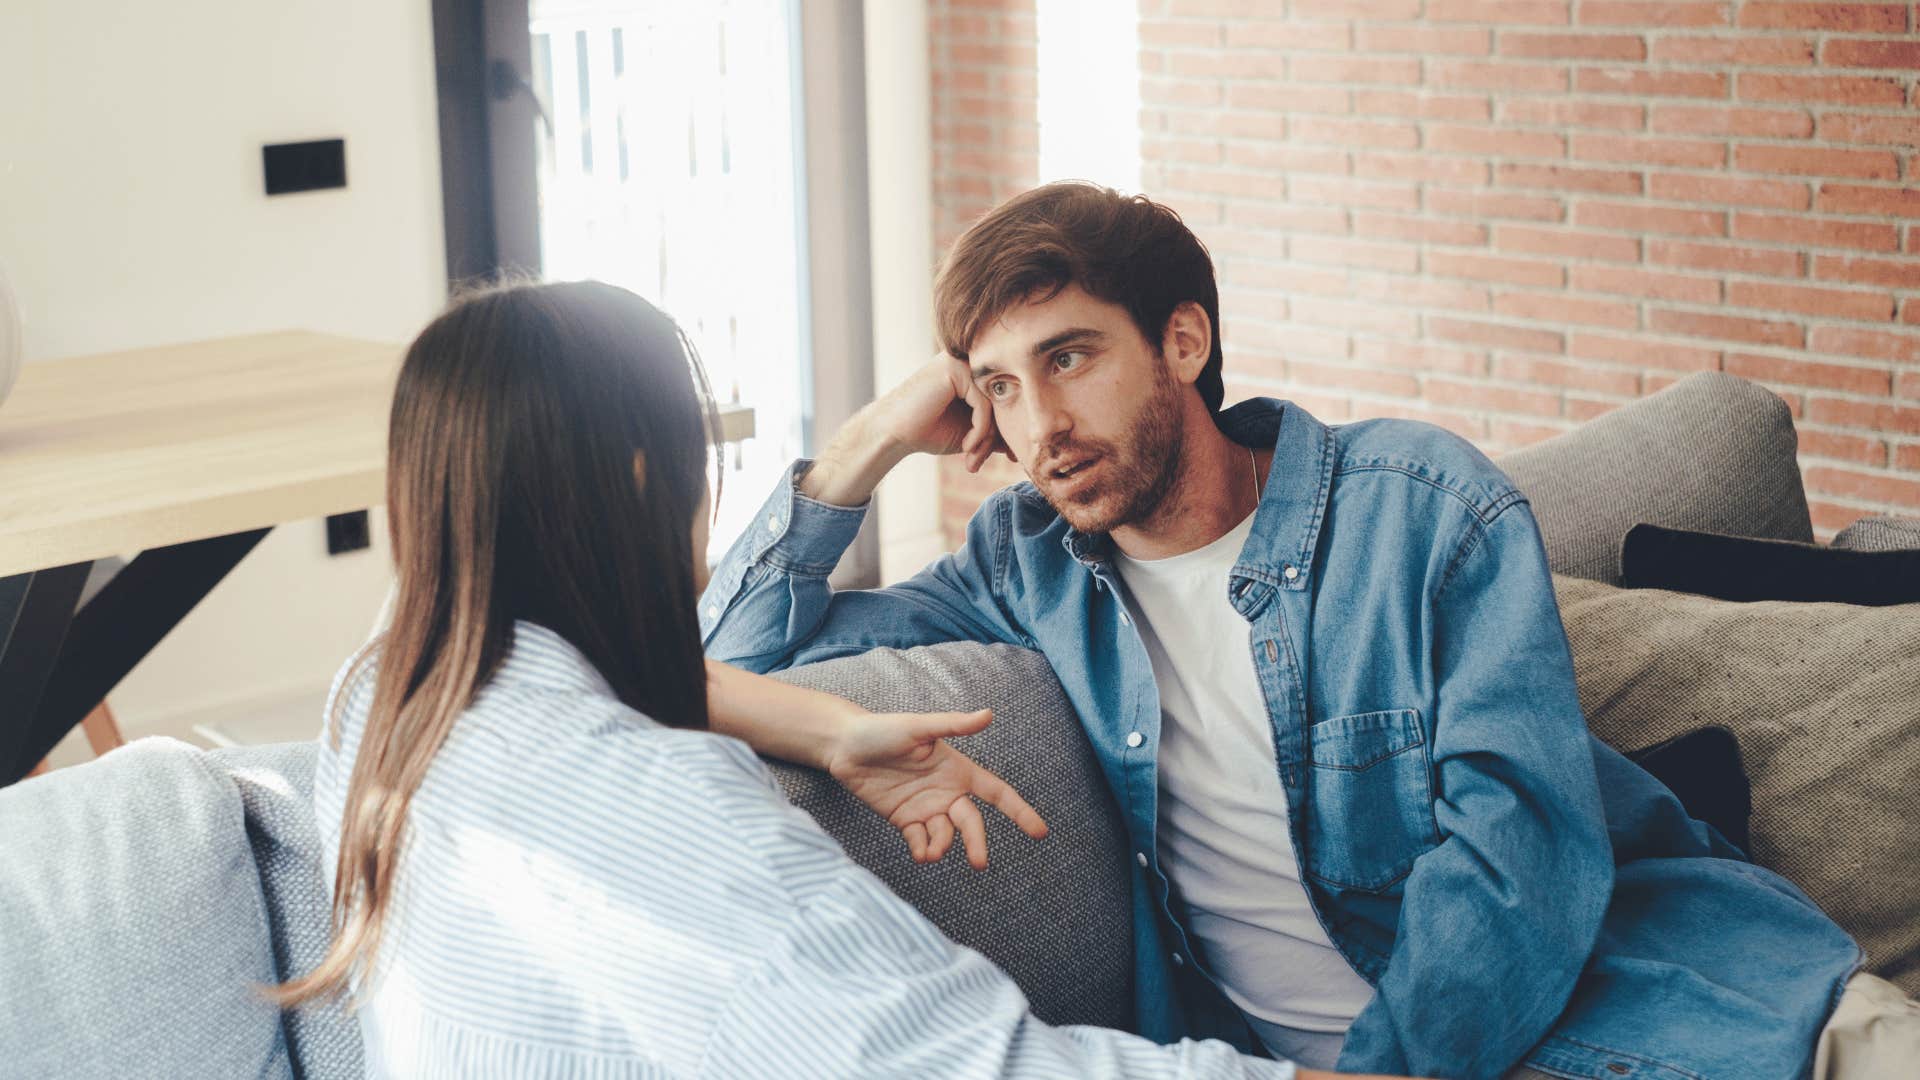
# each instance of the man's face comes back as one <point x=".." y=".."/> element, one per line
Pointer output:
<point x="1088" y="407"/>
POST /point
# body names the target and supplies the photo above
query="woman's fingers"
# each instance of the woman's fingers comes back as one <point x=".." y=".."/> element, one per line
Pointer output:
<point x="1000" y="794"/>
<point x="916" y="835"/>
<point x="939" y="837"/>
<point x="946" y="725"/>
<point x="973" y="830"/>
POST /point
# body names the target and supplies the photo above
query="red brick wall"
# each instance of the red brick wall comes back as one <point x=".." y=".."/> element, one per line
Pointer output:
<point x="1509" y="217"/>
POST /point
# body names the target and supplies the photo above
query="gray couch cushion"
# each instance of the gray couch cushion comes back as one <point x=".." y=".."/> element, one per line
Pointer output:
<point x="1712" y="453"/>
<point x="1052" y="913"/>
<point x="1824" y="700"/>
<point x="1880" y="534"/>
<point x="132" y="928"/>
<point x="276" y="790"/>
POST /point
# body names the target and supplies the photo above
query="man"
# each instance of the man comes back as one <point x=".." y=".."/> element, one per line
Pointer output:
<point x="1326" y="679"/>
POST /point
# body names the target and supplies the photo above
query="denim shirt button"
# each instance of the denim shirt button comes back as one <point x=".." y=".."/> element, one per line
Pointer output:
<point x="1290" y="573"/>
<point x="1178" y="960"/>
<point x="1124" y="621"/>
<point x="1141" y="858"/>
<point x="1134" y="738"/>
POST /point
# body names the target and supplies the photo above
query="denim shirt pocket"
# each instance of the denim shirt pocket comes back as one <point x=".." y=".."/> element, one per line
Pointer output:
<point x="1370" y="799"/>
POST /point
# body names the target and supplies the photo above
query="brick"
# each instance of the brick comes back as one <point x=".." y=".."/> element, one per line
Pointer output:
<point x="1514" y="434"/>
<point x="1649" y="284"/>
<point x="1907" y="458"/>
<point x="1340" y="191"/>
<point x="1815" y="161"/>
<point x="1183" y="150"/>
<point x="1642" y="353"/>
<point x="1640" y="82"/>
<point x="1746" y="50"/>
<point x="1718" y="120"/>
<point x="1487" y="204"/>
<point x="1422" y="104"/>
<point x="1910" y="312"/>
<point x="1860" y="199"/>
<point x="1495" y="268"/>
<point x="1344" y="69"/>
<point x="1875" y="487"/>
<point x="1504" y="12"/>
<point x="1226" y="64"/>
<point x="1540" y="372"/>
<point x="1341" y="132"/>
<point x="1858" y="18"/>
<point x="1288" y="35"/>
<point x="1494" y="142"/>
<point x="1908" y="386"/>
<point x="1285" y="276"/>
<point x="1609" y="181"/>
<point x="1864" y="235"/>
<point x="1337" y="252"/>
<point x="1427" y="168"/>
<point x="1413" y="357"/>
<point x="1418" y="229"/>
<point x="1534" y="240"/>
<point x="1239" y="124"/>
<point x="1270" y="161"/>
<point x="1683" y="153"/>
<point x="1258" y="185"/>
<point x="1830" y="518"/>
<point x="1839" y="89"/>
<point x="1170" y="91"/>
<point x="1807" y="373"/>
<point x="1291" y="97"/>
<point x="1635" y="217"/>
<point x="1871" y="306"/>
<point x="1504" y="77"/>
<point x="1478" y="395"/>
<point x="1655" y="13"/>
<point x="1866" y="344"/>
<point x="1468" y="426"/>
<point x="1560" y="308"/>
<point x="1229" y="9"/>
<point x="1424" y="40"/>
<point x="1872" y="415"/>
<point x="1726" y="327"/>
<point x="1286" y="218"/>
<point x="1614" y="116"/>
<point x="1494" y="335"/>
<point x="1365" y="10"/>
<point x="1456" y="296"/>
<point x="1573" y="46"/>
<point x="1868" y="128"/>
<point x="1180" y="33"/>
<point x="1892" y="273"/>
<point x="1904" y="55"/>
<point x="1365" y="380"/>
<point x="1770" y="194"/>
<point x="1583" y="410"/>
<point x="1854" y="448"/>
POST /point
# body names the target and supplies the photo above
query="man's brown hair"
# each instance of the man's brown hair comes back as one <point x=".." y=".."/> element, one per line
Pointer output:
<point x="1124" y="249"/>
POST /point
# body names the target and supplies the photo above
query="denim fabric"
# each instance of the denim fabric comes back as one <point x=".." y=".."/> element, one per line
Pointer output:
<point x="1512" y="888"/>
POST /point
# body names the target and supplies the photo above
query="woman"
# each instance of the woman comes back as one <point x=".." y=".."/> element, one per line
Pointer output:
<point x="551" y="859"/>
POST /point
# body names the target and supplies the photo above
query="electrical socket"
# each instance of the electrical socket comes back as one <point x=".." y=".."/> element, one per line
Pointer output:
<point x="348" y="532"/>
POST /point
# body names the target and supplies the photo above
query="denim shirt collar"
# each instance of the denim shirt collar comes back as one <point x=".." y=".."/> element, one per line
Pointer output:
<point x="1286" y="528"/>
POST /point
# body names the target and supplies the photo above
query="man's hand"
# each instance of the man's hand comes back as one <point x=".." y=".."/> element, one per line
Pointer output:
<point x="899" y="765"/>
<point x="937" y="410"/>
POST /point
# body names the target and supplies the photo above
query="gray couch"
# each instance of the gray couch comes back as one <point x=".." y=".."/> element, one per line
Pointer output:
<point x="143" y="896"/>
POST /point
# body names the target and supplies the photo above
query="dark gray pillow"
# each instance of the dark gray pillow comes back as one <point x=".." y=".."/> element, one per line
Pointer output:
<point x="1880" y="534"/>
<point x="1824" y="701"/>
<point x="1056" y="913"/>
<point x="1712" y="453"/>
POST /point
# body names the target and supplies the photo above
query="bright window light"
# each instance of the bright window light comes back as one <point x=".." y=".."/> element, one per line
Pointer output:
<point x="1090" y="92"/>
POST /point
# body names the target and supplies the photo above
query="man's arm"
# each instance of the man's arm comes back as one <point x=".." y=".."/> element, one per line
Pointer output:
<point x="769" y="605"/>
<point x="1496" y="922"/>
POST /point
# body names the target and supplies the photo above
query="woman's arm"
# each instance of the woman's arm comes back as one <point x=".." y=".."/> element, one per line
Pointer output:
<point x="898" y="764"/>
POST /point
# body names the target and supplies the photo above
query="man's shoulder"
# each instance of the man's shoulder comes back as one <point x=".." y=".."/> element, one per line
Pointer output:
<point x="1396" y="452"/>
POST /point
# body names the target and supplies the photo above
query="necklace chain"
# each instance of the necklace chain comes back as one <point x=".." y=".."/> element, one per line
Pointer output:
<point x="1253" y="476"/>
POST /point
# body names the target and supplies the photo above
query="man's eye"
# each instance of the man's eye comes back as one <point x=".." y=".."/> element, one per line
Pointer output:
<point x="998" y="388"/>
<point x="1067" y="361"/>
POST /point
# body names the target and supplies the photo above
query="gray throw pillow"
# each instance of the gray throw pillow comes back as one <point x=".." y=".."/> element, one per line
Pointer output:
<point x="1824" y="700"/>
<point x="1880" y="534"/>
<point x="1711" y="453"/>
<point x="1055" y="914"/>
<point x="132" y="928"/>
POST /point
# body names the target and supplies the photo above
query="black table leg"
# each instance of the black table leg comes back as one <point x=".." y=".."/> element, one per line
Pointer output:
<point x="106" y="639"/>
<point x="36" y="610"/>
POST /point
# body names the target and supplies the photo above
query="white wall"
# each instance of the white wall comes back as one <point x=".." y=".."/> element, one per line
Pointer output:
<point x="132" y="214"/>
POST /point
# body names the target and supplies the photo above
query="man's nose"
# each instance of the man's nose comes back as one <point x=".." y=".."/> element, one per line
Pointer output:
<point x="1047" y="420"/>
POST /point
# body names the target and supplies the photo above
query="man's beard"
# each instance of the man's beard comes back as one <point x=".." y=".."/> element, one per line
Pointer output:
<point x="1140" y="472"/>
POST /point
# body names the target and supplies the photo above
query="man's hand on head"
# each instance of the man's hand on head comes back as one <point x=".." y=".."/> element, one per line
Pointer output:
<point x="936" y="410"/>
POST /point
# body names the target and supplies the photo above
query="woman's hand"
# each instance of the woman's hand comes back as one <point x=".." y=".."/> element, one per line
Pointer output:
<point x="899" y="765"/>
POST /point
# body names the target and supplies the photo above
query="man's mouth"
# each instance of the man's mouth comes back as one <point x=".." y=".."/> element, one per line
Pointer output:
<point x="1072" y="468"/>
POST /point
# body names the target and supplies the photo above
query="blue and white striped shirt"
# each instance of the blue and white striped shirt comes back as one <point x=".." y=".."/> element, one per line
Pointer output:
<point x="587" y="893"/>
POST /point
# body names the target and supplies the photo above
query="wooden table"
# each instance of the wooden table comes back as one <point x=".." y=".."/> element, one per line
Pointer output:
<point x="189" y="455"/>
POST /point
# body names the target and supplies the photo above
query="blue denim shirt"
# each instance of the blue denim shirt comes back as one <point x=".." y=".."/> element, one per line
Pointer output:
<point x="1512" y="888"/>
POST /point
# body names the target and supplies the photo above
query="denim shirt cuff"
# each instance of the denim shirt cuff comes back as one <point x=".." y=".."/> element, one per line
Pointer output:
<point x="802" y="535"/>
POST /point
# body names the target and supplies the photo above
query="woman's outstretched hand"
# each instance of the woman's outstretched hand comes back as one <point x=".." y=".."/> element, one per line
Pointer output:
<point x="899" y="764"/>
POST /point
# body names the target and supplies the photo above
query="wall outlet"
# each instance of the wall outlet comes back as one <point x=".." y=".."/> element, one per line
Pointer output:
<point x="348" y="532"/>
<point x="307" y="166"/>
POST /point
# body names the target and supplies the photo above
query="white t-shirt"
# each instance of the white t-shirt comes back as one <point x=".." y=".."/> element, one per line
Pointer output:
<point x="1223" y="813"/>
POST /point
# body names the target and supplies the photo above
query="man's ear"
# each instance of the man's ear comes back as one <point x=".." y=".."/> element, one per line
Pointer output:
<point x="1188" y="341"/>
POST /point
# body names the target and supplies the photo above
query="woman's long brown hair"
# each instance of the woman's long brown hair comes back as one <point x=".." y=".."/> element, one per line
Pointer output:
<point x="512" y="495"/>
